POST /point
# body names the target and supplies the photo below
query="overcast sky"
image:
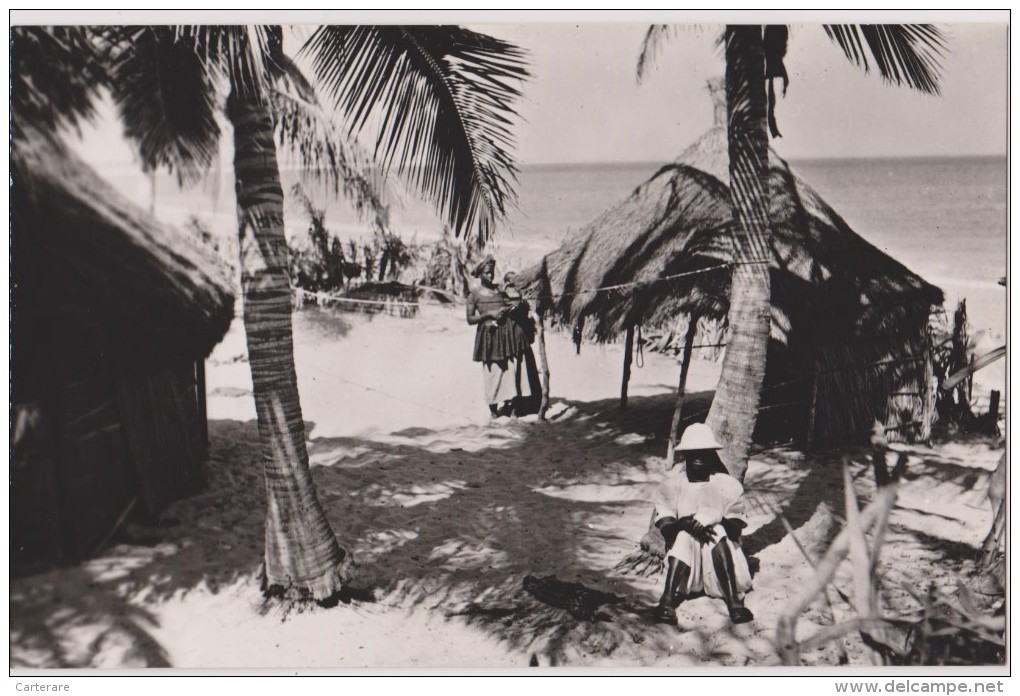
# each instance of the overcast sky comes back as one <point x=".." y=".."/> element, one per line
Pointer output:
<point x="583" y="102"/>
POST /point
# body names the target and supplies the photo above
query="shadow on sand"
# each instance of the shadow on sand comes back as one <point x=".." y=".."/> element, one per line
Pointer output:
<point x="513" y="527"/>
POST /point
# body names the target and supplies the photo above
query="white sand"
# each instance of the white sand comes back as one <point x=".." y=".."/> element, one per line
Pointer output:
<point x="447" y="513"/>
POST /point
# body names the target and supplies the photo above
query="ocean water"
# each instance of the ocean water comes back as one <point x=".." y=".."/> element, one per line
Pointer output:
<point x="553" y="201"/>
<point x="947" y="215"/>
<point x="944" y="218"/>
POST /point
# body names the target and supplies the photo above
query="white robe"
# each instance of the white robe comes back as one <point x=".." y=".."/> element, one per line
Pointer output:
<point x="708" y="502"/>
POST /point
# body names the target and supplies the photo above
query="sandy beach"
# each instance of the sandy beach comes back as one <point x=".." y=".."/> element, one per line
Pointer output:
<point x="478" y="543"/>
<point x="804" y="209"/>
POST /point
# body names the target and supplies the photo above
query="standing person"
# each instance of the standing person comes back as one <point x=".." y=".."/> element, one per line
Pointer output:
<point x="487" y="309"/>
<point x="523" y="334"/>
<point x="692" y="513"/>
<point x="521" y="328"/>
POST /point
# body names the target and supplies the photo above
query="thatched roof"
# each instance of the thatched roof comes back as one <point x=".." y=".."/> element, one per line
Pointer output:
<point x="677" y="221"/>
<point x="846" y="317"/>
<point x="88" y="263"/>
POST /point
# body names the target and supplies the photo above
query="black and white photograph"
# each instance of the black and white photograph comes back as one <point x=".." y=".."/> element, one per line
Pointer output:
<point x="667" y="343"/>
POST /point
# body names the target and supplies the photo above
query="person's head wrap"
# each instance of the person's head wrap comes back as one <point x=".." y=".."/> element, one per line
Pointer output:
<point x="487" y="262"/>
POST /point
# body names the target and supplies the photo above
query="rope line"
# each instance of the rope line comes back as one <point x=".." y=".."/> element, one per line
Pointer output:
<point x="650" y="281"/>
<point x="604" y="288"/>
<point x="785" y="404"/>
<point x="354" y="300"/>
<point x="777" y="385"/>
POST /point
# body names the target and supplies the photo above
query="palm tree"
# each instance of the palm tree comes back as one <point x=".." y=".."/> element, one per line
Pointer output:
<point x="166" y="82"/>
<point x="441" y="96"/>
<point x="904" y="54"/>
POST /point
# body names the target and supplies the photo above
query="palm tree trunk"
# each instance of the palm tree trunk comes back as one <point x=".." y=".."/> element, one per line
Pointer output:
<point x="735" y="406"/>
<point x="302" y="557"/>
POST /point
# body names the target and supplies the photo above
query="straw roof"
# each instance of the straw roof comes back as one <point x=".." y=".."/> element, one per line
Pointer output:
<point x="90" y="262"/>
<point x="826" y="279"/>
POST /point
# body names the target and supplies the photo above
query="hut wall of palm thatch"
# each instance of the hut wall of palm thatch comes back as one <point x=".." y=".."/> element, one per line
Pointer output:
<point x="113" y="315"/>
<point x="849" y="324"/>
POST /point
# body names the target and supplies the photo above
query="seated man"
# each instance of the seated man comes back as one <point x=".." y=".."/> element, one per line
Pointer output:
<point x="702" y="543"/>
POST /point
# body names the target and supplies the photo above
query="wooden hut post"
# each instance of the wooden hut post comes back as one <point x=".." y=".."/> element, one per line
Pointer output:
<point x="545" y="366"/>
<point x="202" y="403"/>
<point x="993" y="406"/>
<point x="628" y="358"/>
<point x="812" y="408"/>
<point x="681" y="390"/>
<point x="970" y="381"/>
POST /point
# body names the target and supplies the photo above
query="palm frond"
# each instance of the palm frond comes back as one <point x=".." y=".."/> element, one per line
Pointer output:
<point x="658" y="35"/>
<point x="167" y="98"/>
<point x="774" y="42"/>
<point x="323" y="151"/>
<point x="443" y="98"/>
<point x="904" y="54"/>
<point x="56" y="73"/>
<point x="247" y="53"/>
<point x="655" y="37"/>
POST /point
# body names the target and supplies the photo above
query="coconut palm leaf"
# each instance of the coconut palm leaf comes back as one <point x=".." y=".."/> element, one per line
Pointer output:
<point x="443" y="98"/>
<point x="655" y="37"/>
<point x="55" y="75"/>
<point x="167" y="98"/>
<point x="247" y="54"/>
<point x="904" y="54"/>
<point x="774" y="42"/>
<point x="658" y="35"/>
<point x="324" y="153"/>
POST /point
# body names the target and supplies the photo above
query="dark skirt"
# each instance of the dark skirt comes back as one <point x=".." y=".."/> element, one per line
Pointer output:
<point x="495" y="342"/>
<point x="518" y="339"/>
<point x="522" y="329"/>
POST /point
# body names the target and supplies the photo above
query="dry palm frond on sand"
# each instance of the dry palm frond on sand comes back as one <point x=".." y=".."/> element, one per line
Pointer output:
<point x="641" y="563"/>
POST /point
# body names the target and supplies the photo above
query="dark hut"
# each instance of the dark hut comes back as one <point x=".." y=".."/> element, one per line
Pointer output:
<point x="112" y="317"/>
<point x="850" y="324"/>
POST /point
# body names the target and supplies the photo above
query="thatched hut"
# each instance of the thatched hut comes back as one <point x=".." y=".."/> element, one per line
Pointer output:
<point x="850" y="324"/>
<point x="113" y="315"/>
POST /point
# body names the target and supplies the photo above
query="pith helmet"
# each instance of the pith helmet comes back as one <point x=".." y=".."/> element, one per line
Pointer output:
<point x="698" y="436"/>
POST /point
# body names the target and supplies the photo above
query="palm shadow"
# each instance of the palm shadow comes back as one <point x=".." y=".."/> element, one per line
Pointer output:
<point x="44" y="619"/>
<point x="815" y="482"/>
<point x="208" y="541"/>
<point x="515" y="528"/>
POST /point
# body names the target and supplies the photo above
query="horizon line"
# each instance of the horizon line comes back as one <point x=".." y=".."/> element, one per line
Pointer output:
<point x="100" y="165"/>
<point x="812" y="158"/>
